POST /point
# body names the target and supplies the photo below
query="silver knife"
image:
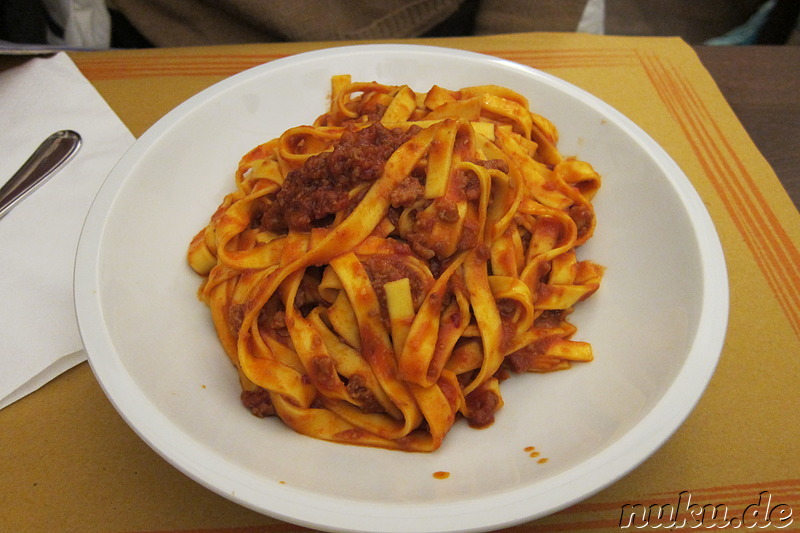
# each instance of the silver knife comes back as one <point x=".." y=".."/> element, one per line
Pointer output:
<point x="40" y="166"/>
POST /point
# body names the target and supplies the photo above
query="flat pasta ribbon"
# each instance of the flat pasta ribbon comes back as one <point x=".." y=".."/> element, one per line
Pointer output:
<point x="377" y="274"/>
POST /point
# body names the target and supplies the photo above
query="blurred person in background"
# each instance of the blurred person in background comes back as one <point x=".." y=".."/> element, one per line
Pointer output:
<point x="146" y="23"/>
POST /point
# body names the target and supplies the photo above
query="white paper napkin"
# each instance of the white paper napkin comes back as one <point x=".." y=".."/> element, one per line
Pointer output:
<point x="39" y="336"/>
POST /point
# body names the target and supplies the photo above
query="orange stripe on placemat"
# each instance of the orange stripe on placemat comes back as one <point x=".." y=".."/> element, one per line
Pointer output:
<point x="284" y="527"/>
<point x="546" y="527"/>
<point x="783" y="484"/>
<point x="788" y="490"/>
<point x="547" y="59"/>
<point x="276" y="527"/>
<point x="142" y="66"/>
<point x="173" y="65"/>
<point x="775" y="254"/>
<point x="566" y="53"/>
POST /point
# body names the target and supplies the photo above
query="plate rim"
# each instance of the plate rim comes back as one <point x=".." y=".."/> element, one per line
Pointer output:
<point x="697" y="370"/>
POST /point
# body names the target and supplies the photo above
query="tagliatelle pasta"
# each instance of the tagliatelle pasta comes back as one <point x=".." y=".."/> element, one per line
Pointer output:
<point x="377" y="274"/>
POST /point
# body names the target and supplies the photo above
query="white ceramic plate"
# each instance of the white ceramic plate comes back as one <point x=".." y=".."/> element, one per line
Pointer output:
<point x="657" y="324"/>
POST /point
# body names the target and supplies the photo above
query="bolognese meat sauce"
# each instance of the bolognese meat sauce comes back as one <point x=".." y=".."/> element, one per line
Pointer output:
<point x="320" y="187"/>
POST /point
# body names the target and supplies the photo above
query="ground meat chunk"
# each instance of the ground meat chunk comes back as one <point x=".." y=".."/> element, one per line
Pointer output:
<point x="258" y="402"/>
<point x="469" y="183"/>
<point x="235" y="317"/>
<point x="494" y="164"/>
<point x="550" y="318"/>
<point x="583" y="217"/>
<point x="320" y="187"/>
<point x="446" y="210"/>
<point x="357" y="388"/>
<point x="481" y="406"/>
<point x="383" y="268"/>
<point x="407" y="192"/>
<point x="524" y="359"/>
<point x="324" y="370"/>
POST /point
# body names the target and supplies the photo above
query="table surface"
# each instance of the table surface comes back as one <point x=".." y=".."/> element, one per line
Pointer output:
<point x="762" y="85"/>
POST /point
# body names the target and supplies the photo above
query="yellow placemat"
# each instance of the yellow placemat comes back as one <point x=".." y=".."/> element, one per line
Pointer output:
<point x="72" y="464"/>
